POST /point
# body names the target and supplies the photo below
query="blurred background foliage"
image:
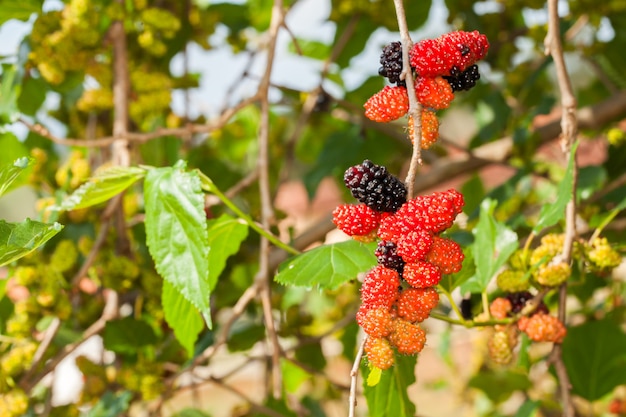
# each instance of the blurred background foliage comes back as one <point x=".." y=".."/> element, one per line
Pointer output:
<point x="61" y="76"/>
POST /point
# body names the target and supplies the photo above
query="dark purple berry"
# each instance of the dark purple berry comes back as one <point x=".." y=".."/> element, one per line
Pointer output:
<point x="375" y="187"/>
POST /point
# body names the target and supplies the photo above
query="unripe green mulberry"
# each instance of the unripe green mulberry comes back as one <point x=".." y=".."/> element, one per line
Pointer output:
<point x="65" y="256"/>
<point x="602" y="255"/>
<point x="551" y="245"/>
<point x="25" y="275"/>
<point x="512" y="280"/>
<point x="17" y="359"/>
<point x="500" y="350"/>
<point x="13" y="403"/>
<point x="553" y="275"/>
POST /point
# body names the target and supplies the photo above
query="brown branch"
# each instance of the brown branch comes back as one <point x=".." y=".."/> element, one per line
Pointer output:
<point x="110" y="312"/>
<point x="569" y="128"/>
<point x="267" y="211"/>
<point x="354" y="373"/>
<point x="415" y="108"/>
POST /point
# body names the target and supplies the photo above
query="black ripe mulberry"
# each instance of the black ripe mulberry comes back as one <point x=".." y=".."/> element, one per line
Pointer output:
<point x="391" y="61"/>
<point x="387" y="255"/>
<point x="463" y="80"/>
<point x="375" y="187"/>
<point x="519" y="299"/>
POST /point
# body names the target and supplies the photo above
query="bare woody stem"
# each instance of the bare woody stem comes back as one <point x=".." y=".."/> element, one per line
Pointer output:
<point x="569" y="130"/>
<point x="415" y="108"/>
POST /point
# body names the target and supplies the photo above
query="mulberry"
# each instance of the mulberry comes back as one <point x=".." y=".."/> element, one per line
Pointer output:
<point x="376" y="322"/>
<point x="380" y="287"/>
<point x="375" y="187"/>
<point x="391" y="63"/>
<point x="435" y="93"/>
<point x="414" y="245"/>
<point x="387" y="105"/>
<point x="415" y="304"/>
<point x="408" y="338"/>
<point x="421" y="274"/>
<point x="446" y="254"/>
<point x="356" y="219"/>
<point x="512" y="280"/>
<point x="387" y="255"/>
<point x="463" y="80"/>
<point x="379" y="353"/>
<point x="543" y="327"/>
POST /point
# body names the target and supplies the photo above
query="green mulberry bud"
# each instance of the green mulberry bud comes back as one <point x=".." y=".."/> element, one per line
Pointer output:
<point x="553" y="275"/>
<point x="602" y="255"/>
<point x="513" y="280"/>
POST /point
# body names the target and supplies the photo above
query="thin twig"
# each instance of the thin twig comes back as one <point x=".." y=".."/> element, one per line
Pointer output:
<point x="415" y="108"/>
<point x="354" y="373"/>
<point x="569" y="129"/>
<point x="49" y="335"/>
<point x="110" y="312"/>
<point x="267" y="211"/>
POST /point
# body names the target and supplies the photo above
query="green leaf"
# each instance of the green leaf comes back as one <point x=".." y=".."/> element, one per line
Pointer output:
<point x="18" y="9"/>
<point x="310" y="48"/>
<point x="190" y="412"/>
<point x="389" y="397"/>
<point x="327" y="266"/>
<point x="225" y="236"/>
<point x="176" y="233"/>
<point x="8" y="174"/>
<point x="19" y="239"/>
<point x="528" y="409"/>
<point x="32" y="95"/>
<point x="293" y="376"/>
<point x="127" y="335"/>
<point x="9" y="89"/>
<point x="500" y="385"/>
<point x="102" y="187"/>
<point x="111" y="405"/>
<point x="181" y="316"/>
<point x="551" y="214"/>
<point x="494" y="243"/>
<point x="596" y="368"/>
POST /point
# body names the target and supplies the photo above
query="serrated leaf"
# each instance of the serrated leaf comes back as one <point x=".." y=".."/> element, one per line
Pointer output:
<point x="327" y="266"/>
<point x="551" y="214"/>
<point x="176" y="232"/>
<point x="225" y="236"/>
<point x="389" y="397"/>
<point x="128" y="334"/>
<point x="102" y="187"/>
<point x="181" y="316"/>
<point x="19" y="239"/>
<point x="494" y="243"/>
<point x="111" y="405"/>
<point x="9" y="173"/>
<point x="595" y="369"/>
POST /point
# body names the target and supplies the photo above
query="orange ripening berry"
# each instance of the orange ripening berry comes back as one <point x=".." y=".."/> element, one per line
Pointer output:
<point x="376" y="322"/>
<point x="435" y="93"/>
<point x="500" y="308"/>
<point x="415" y="304"/>
<point x="430" y="129"/>
<point x="408" y="338"/>
<point x="421" y="274"/>
<point x="543" y="327"/>
<point x="379" y="353"/>
<point x="387" y="105"/>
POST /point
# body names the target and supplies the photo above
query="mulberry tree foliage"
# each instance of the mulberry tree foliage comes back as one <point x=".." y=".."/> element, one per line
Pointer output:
<point x="156" y="226"/>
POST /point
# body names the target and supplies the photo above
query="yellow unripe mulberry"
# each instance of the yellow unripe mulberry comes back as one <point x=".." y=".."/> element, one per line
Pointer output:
<point x="553" y="275"/>
<point x="602" y="255"/>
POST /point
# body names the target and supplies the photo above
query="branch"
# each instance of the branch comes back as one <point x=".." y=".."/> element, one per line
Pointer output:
<point x="569" y="128"/>
<point x="267" y="211"/>
<point x="354" y="373"/>
<point x="415" y="108"/>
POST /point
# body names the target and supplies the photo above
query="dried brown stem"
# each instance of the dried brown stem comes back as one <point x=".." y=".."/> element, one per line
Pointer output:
<point x="569" y="129"/>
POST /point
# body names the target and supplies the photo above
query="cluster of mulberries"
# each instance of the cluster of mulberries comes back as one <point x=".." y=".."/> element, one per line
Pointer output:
<point x="441" y="67"/>
<point x="399" y="293"/>
<point x="540" y="326"/>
